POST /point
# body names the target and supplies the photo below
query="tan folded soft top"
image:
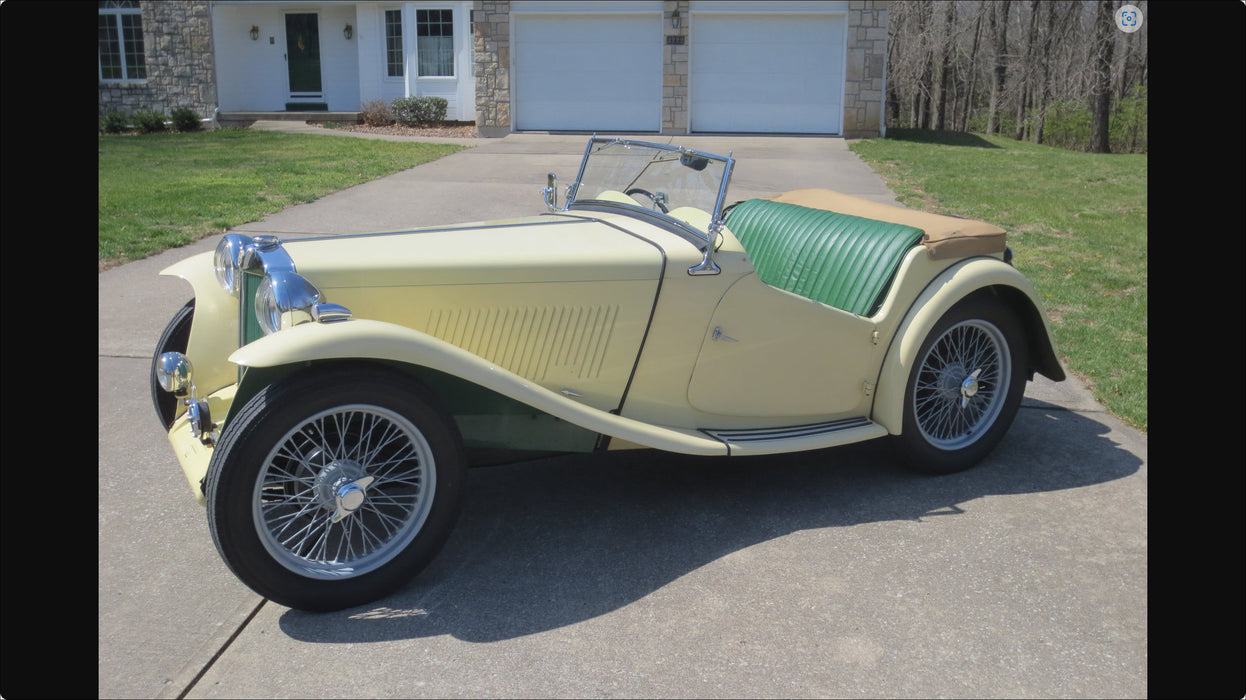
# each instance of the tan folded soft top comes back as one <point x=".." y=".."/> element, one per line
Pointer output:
<point x="943" y="236"/>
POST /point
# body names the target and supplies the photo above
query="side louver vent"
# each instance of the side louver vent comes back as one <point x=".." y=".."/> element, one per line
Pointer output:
<point x="533" y="342"/>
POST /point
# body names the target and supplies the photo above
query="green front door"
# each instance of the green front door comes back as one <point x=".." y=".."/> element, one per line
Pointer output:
<point x="303" y="55"/>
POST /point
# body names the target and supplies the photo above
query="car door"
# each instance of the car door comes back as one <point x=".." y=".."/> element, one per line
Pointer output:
<point x="770" y="353"/>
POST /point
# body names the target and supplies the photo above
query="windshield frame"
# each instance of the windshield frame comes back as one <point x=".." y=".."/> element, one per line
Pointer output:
<point x="597" y="142"/>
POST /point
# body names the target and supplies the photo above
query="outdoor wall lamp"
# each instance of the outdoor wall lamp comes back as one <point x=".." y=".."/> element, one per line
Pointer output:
<point x="349" y="31"/>
<point x="675" y="19"/>
<point x="255" y="33"/>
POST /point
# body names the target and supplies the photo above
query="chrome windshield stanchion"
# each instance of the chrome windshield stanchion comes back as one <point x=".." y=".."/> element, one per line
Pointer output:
<point x="707" y="266"/>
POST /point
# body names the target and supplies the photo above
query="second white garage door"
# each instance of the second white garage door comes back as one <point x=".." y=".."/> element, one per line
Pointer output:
<point x="588" y="72"/>
<point x="759" y="73"/>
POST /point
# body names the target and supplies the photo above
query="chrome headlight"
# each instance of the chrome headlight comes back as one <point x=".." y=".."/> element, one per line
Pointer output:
<point x="227" y="261"/>
<point x="284" y="299"/>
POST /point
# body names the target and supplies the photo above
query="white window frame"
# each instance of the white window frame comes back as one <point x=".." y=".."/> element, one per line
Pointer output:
<point x="117" y="12"/>
<point x="454" y="39"/>
<point x="402" y="44"/>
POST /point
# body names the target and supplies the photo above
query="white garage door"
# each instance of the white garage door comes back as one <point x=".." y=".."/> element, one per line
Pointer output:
<point x="588" y="72"/>
<point x="776" y="73"/>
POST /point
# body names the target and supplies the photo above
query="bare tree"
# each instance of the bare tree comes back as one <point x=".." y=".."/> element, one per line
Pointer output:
<point x="1101" y="88"/>
<point x="997" y="20"/>
<point x="1026" y="79"/>
<point x="972" y="69"/>
<point x="942" y="38"/>
<point x="1044" y="73"/>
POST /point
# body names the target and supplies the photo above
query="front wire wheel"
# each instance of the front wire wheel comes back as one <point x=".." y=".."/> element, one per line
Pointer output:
<point x="332" y="489"/>
<point x="344" y="491"/>
<point x="964" y="391"/>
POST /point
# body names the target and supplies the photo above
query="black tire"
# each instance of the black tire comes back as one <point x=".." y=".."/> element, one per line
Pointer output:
<point x="288" y="463"/>
<point x="174" y="339"/>
<point x="964" y="389"/>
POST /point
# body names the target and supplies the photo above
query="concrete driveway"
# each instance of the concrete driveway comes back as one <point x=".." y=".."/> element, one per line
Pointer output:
<point x="827" y="573"/>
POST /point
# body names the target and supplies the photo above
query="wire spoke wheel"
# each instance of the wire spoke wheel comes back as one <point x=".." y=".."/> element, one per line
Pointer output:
<point x="965" y="387"/>
<point x="335" y="486"/>
<point x="959" y="394"/>
<point x="344" y="491"/>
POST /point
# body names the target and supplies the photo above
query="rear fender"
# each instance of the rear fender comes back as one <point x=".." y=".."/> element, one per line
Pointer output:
<point x="974" y="276"/>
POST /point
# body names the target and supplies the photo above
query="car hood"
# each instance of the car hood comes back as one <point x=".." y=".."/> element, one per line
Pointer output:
<point x="537" y="249"/>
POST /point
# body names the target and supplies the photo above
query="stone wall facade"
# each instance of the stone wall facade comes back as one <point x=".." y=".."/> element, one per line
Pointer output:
<point x="865" y="81"/>
<point x="491" y="32"/>
<point x="177" y="43"/>
<point x="675" y="68"/>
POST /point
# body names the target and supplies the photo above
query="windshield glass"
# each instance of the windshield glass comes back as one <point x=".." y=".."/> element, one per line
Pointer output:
<point x="654" y="177"/>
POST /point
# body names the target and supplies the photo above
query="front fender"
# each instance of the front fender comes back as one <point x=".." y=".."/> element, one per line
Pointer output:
<point x="214" y="330"/>
<point x="976" y="275"/>
<point x="377" y="340"/>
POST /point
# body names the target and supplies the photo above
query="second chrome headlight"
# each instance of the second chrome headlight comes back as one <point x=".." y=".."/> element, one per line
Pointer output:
<point x="284" y="299"/>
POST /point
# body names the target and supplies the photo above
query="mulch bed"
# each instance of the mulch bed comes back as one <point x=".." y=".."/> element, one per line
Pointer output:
<point x="452" y="129"/>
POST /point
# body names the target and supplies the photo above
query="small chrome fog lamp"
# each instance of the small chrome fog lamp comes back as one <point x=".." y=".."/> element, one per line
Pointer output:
<point x="227" y="261"/>
<point x="173" y="372"/>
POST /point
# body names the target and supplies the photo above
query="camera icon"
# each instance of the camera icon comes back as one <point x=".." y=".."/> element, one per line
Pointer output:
<point x="1128" y="19"/>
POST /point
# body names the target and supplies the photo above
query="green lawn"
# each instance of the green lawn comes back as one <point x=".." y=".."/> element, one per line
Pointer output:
<point x="159" y="191"/>
<point x="1077" y="223"/>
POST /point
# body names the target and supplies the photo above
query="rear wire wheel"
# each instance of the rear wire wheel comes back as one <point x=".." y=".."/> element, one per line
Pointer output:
<point x="965" y="387"/>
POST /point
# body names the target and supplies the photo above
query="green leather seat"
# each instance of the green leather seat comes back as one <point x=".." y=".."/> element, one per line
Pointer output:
<point x="841" y="260"/>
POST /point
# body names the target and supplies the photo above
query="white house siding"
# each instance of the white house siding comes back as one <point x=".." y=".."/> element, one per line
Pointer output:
<point x="375" y="83"/>
<point x="252" y="76"/>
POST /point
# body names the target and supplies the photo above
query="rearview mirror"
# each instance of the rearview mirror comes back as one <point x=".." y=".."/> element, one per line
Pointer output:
<point x="697" y="163"/>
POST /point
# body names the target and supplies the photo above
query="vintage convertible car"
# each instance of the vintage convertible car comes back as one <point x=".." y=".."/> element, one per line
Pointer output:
<point x="342" y="384"/>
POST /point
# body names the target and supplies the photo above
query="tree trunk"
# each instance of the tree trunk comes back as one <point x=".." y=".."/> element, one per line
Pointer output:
<point x="973" y="73"/>
<point x="1044" y="77"/>
<point x="1101" y="87"/>
<point x="942" y="49"/>
<point x="998" y="21"/>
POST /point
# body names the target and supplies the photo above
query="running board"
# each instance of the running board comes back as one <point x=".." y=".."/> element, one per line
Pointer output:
<point x="815" y="436"/>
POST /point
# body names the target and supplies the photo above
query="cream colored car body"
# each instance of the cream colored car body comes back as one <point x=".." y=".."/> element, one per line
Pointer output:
<point x="592" y="319"/>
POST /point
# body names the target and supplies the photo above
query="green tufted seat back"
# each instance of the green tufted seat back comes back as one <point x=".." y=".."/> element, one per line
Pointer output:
<point x="841" y="260"/>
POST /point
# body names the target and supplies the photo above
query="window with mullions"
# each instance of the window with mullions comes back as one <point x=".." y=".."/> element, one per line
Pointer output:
<point x="393" y="43"/>
<point x="434" y="31"/>
<point x="121" y="52"/>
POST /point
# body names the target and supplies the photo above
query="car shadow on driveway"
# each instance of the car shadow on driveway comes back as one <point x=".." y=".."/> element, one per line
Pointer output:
<point x="550" y="543"/>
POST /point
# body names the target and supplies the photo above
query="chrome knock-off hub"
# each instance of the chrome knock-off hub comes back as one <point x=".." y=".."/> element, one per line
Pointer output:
<point x="969" y="387"/>
<point x="342" y="487"/>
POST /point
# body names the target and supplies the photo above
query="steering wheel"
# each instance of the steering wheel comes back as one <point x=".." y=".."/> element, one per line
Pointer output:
<point x="656" y="202"/>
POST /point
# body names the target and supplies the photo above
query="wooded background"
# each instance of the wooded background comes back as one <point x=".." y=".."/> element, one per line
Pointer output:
<point x="1056" y="72"/>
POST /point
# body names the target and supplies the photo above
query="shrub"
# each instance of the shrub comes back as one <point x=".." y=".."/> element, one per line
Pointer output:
<point x="410" y="111"/>
<point x="185" y="119"/>
<point x="114" y="122"/>
<point x="148" y="122"/>
<point x="376" y="113"/>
